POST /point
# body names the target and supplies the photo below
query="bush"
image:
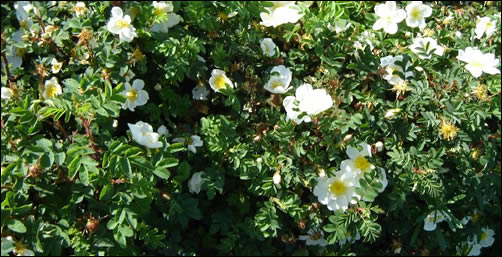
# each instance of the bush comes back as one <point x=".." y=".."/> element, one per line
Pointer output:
<point x="250" y="128"/>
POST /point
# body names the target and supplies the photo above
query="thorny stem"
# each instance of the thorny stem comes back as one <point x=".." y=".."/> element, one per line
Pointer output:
<point x="88" y="132"/>
<point x="58" y="125"/>
<point x="6" y="67"/>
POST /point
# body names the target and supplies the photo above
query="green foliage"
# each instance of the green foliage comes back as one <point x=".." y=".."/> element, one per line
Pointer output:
<point x="76" y="180"/>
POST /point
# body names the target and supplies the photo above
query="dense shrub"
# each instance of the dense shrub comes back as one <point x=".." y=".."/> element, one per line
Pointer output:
<point x="252" y="128"/>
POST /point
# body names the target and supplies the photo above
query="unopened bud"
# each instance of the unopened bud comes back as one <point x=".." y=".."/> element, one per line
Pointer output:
<point x="277" y="177"/>
<point x="347" y="138"/>
<point x="391" y="113"/>
<point x="259" y="160"/>
<point x="379" y="146"/>
<point x="157" y="87"/>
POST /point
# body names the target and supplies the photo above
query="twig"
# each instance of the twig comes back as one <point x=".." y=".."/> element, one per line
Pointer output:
<point x="6" y="66"/>
<point x="88" y="132"/>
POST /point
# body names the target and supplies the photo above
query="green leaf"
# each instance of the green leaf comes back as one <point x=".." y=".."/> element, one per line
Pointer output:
<point x="167" y="163"/>
<point x="16" y="226"/>
<point x="84" y="175"/>
<point x="176" y="147"/>
<point x="162" y="173"/>
<point x="125" y="166"/>
<point x="106" y="192"/>
<point x="74" y="167"/>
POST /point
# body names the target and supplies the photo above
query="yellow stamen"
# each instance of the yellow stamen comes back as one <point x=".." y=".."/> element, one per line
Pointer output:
<point x="448" y="130"/>
<point x="276" y="84"/>
<point x="337" y="188"/>
<point x="220" y="82"/>
<point x="483" y="236"/>
<point x="123" y="24"/>
<point x="51" y="91"/>
<point x="132" y="95"/>
<point x="362" y="164"/>
<point x="415" y="14"/>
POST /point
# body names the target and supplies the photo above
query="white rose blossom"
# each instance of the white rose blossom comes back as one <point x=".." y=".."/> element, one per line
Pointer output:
<point x="121" y="24"/>
<point x="306" y="103"/>
<point x="200" y="93"/>
<point x="477" y="62"/>
<point x="191" y="142"/>
<point x="314" y="237"/>
<point x="195" y="183"/>
<point x="433" y="47"/>
<point x="268" y="47"/>
<point x="19" y="247"/>
<point x="282" y="12"/>
<point x="389" y="17"/>
<point x="6" y="93"/>
<point x="430" y="222"/>
<point x="219" y="80"/>
<point x="80" y="9"/>
<point x="56" y="66"/>
<point x="135" y="95"/>
<point x="486" y="238"/>
<point x="279" y="83"/>
<point x="172" y="18"/>
<point x="358" y="161"/>
<point x="485" y="25"/>
<point x="143" y="134"/>
<point x="417" y="12"/>
<point x="337" y="192"/>
<point x="51" y="88"/>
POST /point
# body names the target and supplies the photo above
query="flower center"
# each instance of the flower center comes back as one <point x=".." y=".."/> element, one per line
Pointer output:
<point x="489" y="24"/>
<point x="449" y="131"/>
<point x="361" y="163"/>
<point x="337" y="188"/>
<point x="123" y="24"/>
<point x="19" y="249"/>
<point x="388" y="19"/>
<point x="276" y="84"/>
<point x="315" y="236"/>
<point x="415" y="14"/>
<point x="132" y="95"/>
<point x="477" y="64"/>
<point x="220" y="82"/>
<point x="51" y="91"/>
<point x="158" y="11"/>
<point x="483" y="236"/>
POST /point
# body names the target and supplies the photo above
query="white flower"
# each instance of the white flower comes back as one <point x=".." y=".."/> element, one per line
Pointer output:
<point x="79" y="9"/>
<point x="121" y="24"/>
<point x="358" y="162"/>
<point x="279" y="83"/>
<point x="195" y="183"/>
<point x="458" y="34"/>
<point x="192" y="142"/>
<point x="313" y="101"/>
<point x="474" y="247"/>
<point x="163" y="27"/>
<point x="389" y="63"/>
<point x="314" y="237"/>
<point x="19" y="248"/>
<point x="340" y="26"/>
<point x="6" y="93"/>
<point x="391" y="113"/>
<point x="282" y="12"/>
<point x="337" y="192"/>
<point x="348" y="238"/>
<point x="172" y="18"/>
<point x="292" y="111"/>
<point x="486" y="239"/>
<point x="389" y="17"/>
<point x="268" y="46"/>
<point x="379" y="146"/>
<point x="417" y="12"/>
<point x="433" y="218"/>
<point x="433" y="47"/>
<point x="23" y="9"/>
<point x="163" y="131"/>
<point x="200" y="93"/>
<point x="477" y="62"/>
<point x="307" y="101"/>
<point x="143" y="134"/>
<point x="277" y="178"/>
<point x="128" y="75"/>
<point x="14" y="58"/>
<point x="162" y="7"/>
<point x="219" y="80"/>
<point x="135" y="95"/>
<point x="51" y="88"/>
<point x="56" y="66"/>
<point x="485" y="25"/>
<point x="465" y="220"/>
<point x="366" y="37"/>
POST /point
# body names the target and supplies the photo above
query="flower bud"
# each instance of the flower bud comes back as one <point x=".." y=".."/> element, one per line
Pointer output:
<point x="379" y="146"/>
<point x="277" y="177"/>
<point x="391" y="113"/>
